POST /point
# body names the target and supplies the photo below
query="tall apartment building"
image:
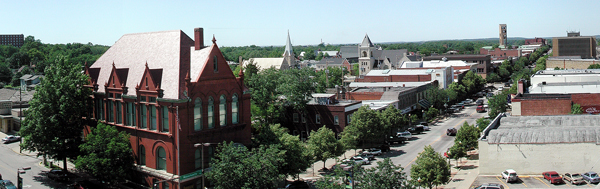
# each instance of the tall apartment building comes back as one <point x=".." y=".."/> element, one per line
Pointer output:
<point x="16" y="40"/>
<point x="574" y="45"/>
<point x="503" y="36"/>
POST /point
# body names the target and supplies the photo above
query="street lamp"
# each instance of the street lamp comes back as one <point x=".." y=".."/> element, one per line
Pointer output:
<point x="202" y="151"/>
<point x="19" y="179"/>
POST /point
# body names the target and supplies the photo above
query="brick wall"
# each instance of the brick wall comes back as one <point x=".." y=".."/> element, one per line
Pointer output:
<point x="535" y="107"/>
<point x="395" y="78"/>
<point x="364" y="95"/>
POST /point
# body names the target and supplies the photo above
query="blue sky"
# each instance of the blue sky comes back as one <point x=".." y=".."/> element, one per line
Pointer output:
<point x="263" y="23"/>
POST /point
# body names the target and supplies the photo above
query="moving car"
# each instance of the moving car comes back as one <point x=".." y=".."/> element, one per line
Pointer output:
<point x="490" y="186"/>
<point x="510" y="175"/>
<point x="553" y="177"/>
<point x="574" y="178"/>
<point x="591" y="177"/>
<point x="10" y="138"/>
<point x="451" y="132"/>
<point x="6" y="184"/>
<point x="480" y="109"/>
<point x="373" y="151"/>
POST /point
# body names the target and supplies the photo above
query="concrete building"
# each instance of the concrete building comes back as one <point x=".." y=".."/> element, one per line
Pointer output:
<point x="574" y="45"/>
<point x="169" y="92"/>
<point x="444" y="76"/>
<point x="16" y="40"/>
<point x="535" y="144"/>
<point x="569" y="62"/>
<point x="502" y="35"/>
<point x="484" y="62"/>
<point x="323" y="110"/>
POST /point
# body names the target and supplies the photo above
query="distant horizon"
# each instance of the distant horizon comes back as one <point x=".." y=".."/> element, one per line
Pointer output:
<point x="267" y="22"/>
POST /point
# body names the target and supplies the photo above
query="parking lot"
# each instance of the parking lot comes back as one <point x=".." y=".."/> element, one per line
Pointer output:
<point x="526" y="182"/>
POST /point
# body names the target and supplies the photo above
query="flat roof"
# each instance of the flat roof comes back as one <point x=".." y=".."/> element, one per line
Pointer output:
<point x="546" y="130"/>
<point x="388" y="84"/>
<point x="381" y="89"/>
<point x="378" y="104"/>
<point x="566" y="72"/>
<point x="400" y="72"/>
<point x="566" y="88"/>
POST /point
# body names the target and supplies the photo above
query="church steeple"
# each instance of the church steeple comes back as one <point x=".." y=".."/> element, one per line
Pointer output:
<point x="288" y="47"/>
<point x="366" y="42"/>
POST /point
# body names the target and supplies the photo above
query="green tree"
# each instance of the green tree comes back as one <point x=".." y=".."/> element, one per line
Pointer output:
<point x="467" y="136"/>
<point x="5" y="73"/>
<point x="265" y="96"/>
<point x="297" y="158"/>
<point x="456" y="152"/>
<point x="54" y="123"/>
<point x="456" y="91"/>
<point x="437" y="97"/>
<point x="431" y="113"/>
<point x="594" y="66"/>
<point x="393" y="120"/>
<point x="430" y="169"/>
<point x="576" y="109"/>
<point x="385" y="175"/>
<point x="235" y="166"/>
<point x="493" y="78"/>
<point x="323" y="145"/>
<point x="309" y="55"/>
<point x="366" y="127"/>
<point x="482" y="123"/>
<point x="497" y="104"/>
<point x="106" y="154"/>
<point x="355" y="69"/>
<point x="319" y="56"/>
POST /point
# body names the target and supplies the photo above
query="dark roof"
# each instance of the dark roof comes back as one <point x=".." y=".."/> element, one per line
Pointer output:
<point x="349" y="51"/>
<point x="543" y="96"/>
<point x="414" y="57"/>
<point x="393" y="56"/>
<point x="458" y="57"/>
<point x="331" y="61"/>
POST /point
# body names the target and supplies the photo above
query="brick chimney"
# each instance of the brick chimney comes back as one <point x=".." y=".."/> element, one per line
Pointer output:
<point x="520" y="87"/>
<point x="198" y="38"/>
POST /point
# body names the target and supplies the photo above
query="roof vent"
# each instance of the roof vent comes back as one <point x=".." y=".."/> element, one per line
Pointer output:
<point x="543" y="83"/>
<point x="444" y="59"/>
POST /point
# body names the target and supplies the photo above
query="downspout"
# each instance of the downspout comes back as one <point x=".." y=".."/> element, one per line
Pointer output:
<point x="178" y="151"/>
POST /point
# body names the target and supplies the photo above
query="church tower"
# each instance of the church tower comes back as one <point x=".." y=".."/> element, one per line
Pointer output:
<point x="288" y="54"/>
<point x="365" y="54"/>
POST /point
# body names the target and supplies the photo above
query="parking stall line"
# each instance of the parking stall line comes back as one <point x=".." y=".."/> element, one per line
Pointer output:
<point x="502" y="182"/>
<point x="588" y="184"/>
<point x="567" y="183"/>
<point x="542" y="181"/>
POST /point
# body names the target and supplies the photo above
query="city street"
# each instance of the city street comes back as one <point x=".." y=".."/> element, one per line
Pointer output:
<point x="406" y="154"/>
<point x="33" y="178"/>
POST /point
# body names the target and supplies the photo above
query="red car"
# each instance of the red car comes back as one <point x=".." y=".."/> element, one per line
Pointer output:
<point x="553" y="177"/>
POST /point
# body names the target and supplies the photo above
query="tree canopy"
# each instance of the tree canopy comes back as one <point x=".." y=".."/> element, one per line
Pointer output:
<point x="323" y="145"/>
<point x="106" y="154"/>
<point x="54" y="123"/>
<point x="430" y="169"/>
<point x="365" y="127"/>
<point x="467" y="136"/>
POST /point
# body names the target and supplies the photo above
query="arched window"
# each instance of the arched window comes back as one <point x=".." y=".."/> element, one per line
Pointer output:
<point x="222" y="111"/>
<point x="234" y="109"/>
<point x="198" y="115"/>
<point x="161" y="159"/>
<point x="198" y="158"/>
<point x="142" y="155"/>
<point x="211" y="113"/>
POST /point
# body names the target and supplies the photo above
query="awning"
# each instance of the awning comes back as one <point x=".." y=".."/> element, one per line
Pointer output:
<point x="424" y="103"/>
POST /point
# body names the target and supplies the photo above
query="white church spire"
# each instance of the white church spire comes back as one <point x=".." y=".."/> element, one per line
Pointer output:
<point x="288" y="47"/>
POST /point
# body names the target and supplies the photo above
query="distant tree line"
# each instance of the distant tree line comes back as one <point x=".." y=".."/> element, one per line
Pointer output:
<point x="35" y="56"/>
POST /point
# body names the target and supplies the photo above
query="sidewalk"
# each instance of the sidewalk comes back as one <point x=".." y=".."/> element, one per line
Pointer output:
<point x="318" y="166"/>
<point x="16" y="148"/>
<point x="466" y="175"/>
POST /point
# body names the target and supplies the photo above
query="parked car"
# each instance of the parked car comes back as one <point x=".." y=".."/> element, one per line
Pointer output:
<point x="7" y="184"/>
<point x="469" y="101"/>
<point x="10" y="138"/>
<point x="591" y="177"/>
<point x="451" y="132"/>
<point x="424" y="123"/>
<point x="479" y="102"/>
<point x="574" y="178"/>
<point x="490" y="186"/>
<point x="394" y="139"/>
<point x="490" y="94"/>
<point x="416" y="129"/>
<point x="453" y="110"/>
<point x="510" y="175"/>
<point x="500" y="88"/>
<point x="553" y="177"/>
<point x="406" y="135"/>
<point x="461" y="105"/>
<point x="358" y="160"/>
<point x="426" y="128"/>
<point x="369" y="157"/>
<point x="480" y="109"/>
<point x="58" y="175"/>
<point x="373" y="151"/>
<point x="298" y="184"/>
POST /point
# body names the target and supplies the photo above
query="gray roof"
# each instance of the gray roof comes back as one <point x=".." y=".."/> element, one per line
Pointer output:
<point x="366" y="42"/>
<point x="393" y="56"/>
<point x="26" y="76"/>
<point x="546" y="130"/>
<point x="331" y="61"/>
<point x="349" y="51"/>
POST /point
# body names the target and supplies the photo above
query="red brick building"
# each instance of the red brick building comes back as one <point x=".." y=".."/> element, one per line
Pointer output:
<point x="535" y="41"/>
<point x="501" y="54"/>
<point x="170" y="92"/>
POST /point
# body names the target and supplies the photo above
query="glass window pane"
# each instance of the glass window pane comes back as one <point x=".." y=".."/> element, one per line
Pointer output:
<point x="198" y="115"/>
<point x="161" y="159"/>
<point x="143" y="116"/>
<point x="119" y="115"/>
<point x="234" y="109"/>
<point x="165" y="119"/>
<point x="142" y="155"/>
<point x="198" y="159"/>
<point x="222" y="111"/>
<point x="152" y="117"/>
<point x="211" y="120"/>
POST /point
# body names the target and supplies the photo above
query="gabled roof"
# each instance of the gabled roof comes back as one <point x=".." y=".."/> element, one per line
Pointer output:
<point x="331" y="61"/>
<point x="160" y="50"/>
<point x="349" y="51"/>
<point x="394" y="56"/>
<point x="366" y="42"/>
